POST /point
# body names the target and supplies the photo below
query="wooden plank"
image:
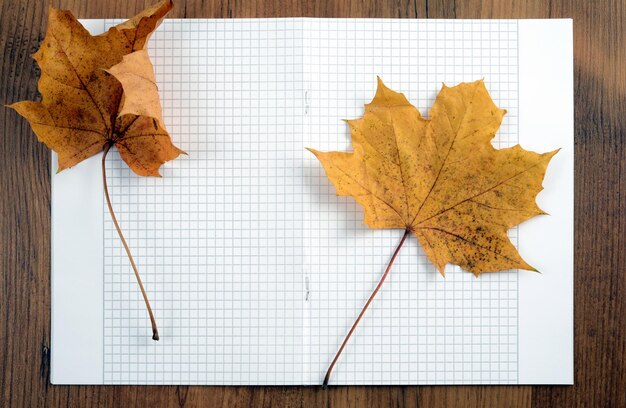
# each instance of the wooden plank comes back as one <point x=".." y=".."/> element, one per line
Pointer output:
<point x="600" y="282"/>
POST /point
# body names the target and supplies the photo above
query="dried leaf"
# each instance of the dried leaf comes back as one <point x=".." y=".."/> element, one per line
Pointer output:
<point x="441" y="178"/>
<point x="98" y="92"/>
<point x="141" y="94"/>
<point x="81" y="110"/>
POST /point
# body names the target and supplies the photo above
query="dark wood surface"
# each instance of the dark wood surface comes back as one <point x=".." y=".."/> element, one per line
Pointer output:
<point x="600" y="260"/>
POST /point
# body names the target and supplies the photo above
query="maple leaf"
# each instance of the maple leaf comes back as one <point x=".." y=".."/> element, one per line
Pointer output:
<point x="99" y="92"/>
<point x="440" y="179"/>
<point x="82" y="105"/>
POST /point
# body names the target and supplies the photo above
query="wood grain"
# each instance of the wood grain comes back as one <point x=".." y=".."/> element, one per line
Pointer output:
<point x="600" y="260"/>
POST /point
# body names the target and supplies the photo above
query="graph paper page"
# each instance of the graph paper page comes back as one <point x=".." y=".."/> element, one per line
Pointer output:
<point x="255" y="268"/>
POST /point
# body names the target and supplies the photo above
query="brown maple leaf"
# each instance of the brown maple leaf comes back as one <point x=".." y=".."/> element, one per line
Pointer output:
<point x="82" y="107"/>
<point x="440" y="179"/>
<point x="99" y="92"/>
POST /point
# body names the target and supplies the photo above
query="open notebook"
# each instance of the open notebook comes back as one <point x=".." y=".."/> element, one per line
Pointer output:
<point x="256" y="270"/>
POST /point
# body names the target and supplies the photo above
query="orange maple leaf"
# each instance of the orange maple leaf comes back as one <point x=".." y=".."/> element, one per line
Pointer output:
<point x="82" y="108"/>
<point x="440" y="179"/>
<point x="99" y="92"/>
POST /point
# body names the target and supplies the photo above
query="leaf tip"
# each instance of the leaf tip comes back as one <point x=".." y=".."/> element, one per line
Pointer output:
<point x="154" y="173"/>
<point x="553" y="153"/>
<point x="527" y="267"/>
<point x="479" y="83"/>
<point x="179" y="151"/>
<point x="380" y="84"/>
<point x="442" y="270"/>
<point x="13" y="106"/>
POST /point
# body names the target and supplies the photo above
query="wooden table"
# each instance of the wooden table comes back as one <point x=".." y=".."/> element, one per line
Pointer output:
<point x="600" y="278"/>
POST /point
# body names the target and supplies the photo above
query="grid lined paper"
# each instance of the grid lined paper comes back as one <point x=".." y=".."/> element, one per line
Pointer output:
<point x="253" y="266"/>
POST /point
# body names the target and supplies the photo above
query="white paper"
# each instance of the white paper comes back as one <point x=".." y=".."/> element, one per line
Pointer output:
<point x="253" y="266"/>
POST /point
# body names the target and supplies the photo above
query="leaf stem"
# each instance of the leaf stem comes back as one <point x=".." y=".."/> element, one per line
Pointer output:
<point x="155" y="331"/>
<point x="358" y="319"/>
